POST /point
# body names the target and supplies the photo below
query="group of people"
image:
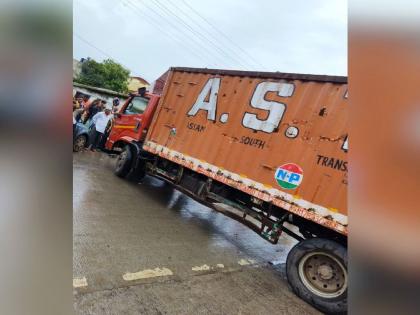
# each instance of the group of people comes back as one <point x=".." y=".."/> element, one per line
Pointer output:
<point x="97" y="116"/>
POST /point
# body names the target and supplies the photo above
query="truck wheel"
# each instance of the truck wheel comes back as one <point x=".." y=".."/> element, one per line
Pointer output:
<point x="123" y="162"/>
<point x="317" y="272"/>
<point x="79" y="143"/>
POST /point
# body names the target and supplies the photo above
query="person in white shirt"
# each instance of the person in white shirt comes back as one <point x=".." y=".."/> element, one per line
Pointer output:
<point x="100" y="121"/>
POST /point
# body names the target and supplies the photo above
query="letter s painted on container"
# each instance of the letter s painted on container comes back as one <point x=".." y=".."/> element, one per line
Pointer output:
<point x="276" y="109"/>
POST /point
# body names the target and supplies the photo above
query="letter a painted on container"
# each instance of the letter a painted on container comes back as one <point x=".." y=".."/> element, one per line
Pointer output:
<point x="209" y="91"/>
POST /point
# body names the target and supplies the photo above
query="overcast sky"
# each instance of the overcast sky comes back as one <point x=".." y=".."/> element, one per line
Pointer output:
<point x="149" y="36"/>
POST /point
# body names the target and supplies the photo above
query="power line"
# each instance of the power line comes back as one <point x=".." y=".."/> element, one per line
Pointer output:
<point x="222" y="52"/>
<point x="199" y="25"/>
<point x="100" y="50"/>
<point x="180" y="31"/>
<point x="91" y="45"/>
<point x="169" y="35"/>
<point x="157" y="23"/>
<point x="221" y="33"/>
<point x="169" y="21"/>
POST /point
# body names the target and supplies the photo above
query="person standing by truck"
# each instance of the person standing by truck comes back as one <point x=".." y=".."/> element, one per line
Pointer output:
<point x="115" y="104"/>
<point x="100" y="121"/>
<point x="85" y="101"/>
<point x="92" y="110"/>
<point x="77" y="114"/>
<point x="106" y="133"/>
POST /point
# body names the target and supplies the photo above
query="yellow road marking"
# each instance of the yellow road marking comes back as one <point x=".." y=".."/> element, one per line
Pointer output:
<point x="80" y="282"/>
<point x="148" y="273"/>
<point x="245" y="262"/>
<point x="200" y="268"/>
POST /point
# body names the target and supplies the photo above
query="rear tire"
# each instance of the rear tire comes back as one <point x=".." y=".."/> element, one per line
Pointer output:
<point x="317" y="272"/>
<point x="123" y="162"/>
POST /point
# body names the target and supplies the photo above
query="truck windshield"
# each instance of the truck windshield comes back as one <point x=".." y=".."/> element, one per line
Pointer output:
<point x="137" y="105"/>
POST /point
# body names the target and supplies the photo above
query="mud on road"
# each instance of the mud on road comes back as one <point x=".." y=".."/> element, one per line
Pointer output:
<point x="148" y="249"/>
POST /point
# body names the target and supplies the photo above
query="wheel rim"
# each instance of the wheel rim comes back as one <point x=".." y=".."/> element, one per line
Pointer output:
<point x="323" y="274"/>
<point x="80" y="143"/>
<point x="121" y="159"/>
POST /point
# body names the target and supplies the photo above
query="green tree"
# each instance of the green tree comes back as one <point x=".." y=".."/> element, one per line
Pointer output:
<point x="107" y="74"/>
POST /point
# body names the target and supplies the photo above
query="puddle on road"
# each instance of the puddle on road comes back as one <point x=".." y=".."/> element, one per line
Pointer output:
<point x="225" y="232"/>
<point x="93" y="176"/>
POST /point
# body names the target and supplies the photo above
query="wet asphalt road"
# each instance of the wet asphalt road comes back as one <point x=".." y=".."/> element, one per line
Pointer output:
<point x="207" y="263"/>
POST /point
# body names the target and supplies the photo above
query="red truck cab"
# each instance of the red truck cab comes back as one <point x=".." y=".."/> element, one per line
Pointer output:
<point x="132" y="120"/>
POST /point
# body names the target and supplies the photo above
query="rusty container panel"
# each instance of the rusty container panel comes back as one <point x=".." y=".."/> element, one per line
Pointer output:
<point x="279" y="137"/>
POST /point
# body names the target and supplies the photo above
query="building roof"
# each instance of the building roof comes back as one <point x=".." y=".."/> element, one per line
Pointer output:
<point x="141" y="80"/>
<point x="99" y="90"/>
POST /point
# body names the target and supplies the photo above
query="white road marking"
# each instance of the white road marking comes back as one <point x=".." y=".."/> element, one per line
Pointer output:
<point x="245" y="262"/>
<point x="277" y="262"/>
<point x="220" y="266"/>
<point x="200" y="268"/>
<point x="80" y="282"/>
<point x="148" y="273"/>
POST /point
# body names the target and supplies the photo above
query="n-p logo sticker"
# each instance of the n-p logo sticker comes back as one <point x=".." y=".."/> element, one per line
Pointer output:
<point x="289" y="176"/>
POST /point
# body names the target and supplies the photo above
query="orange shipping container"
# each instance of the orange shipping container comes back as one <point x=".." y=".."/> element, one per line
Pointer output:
<point x="279" y="137"/>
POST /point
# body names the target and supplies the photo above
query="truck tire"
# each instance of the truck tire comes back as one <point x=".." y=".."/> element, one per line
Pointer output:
<point x="317" y="272"/>
<point x="123" y="162"/>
